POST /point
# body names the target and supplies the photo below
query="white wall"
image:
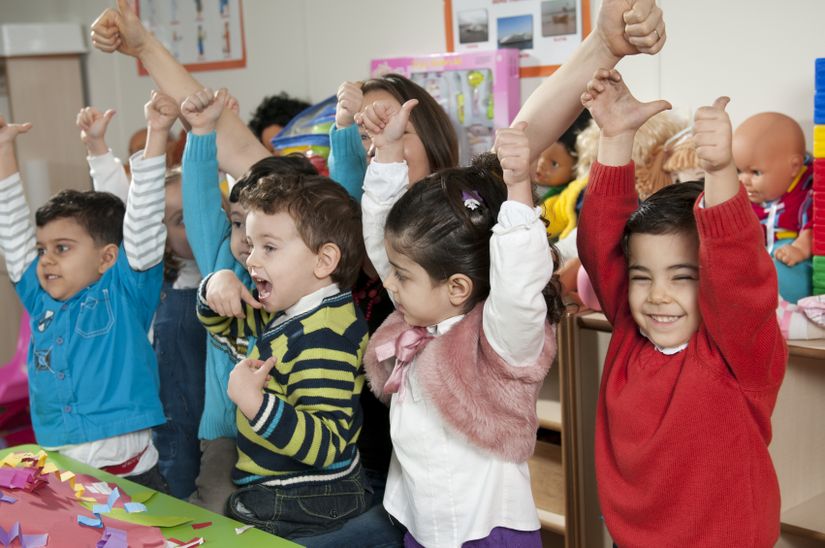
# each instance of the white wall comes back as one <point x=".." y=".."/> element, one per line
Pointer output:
<point x="759" y="52"/>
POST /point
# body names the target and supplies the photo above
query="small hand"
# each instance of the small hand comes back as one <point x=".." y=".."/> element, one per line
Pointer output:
<point x="712" y="134"/>
<point x="9" y="132"/>
<point x="246" y="383"/>
<point x="614" y="108"/>
<point x="350" y="99"/>
<point x="120" y="30"/>
<point x="93" y="125"/>
<point x="384" y="122"/>
<point x="628" y="27"/>
<point x="513" y="151"/>
<point x="225" y="294"/>
<point x="161" y="112"/>
<point x="203" y="108"/>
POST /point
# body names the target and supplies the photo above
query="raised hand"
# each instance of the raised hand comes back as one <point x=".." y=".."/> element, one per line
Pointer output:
<point x="628" y="27"/>
<point x="614" y="108"/>
<point x="513" y="151"/>
<point x="350" y="99"/>
<point x="385" y="122"/>
<point x="246" y="383"/>
<point x="202" y="109"/>
<point x="161" y="112"/>
<point x="9" y="132"/>
<point x="225" y="294"/>
<point x="120" y="30"/>
<point x="713" y="136"/>
<point x="93" y="125"/>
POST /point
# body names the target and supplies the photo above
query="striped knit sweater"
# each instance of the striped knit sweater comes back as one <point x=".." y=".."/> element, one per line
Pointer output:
<point x="310" y="419"/>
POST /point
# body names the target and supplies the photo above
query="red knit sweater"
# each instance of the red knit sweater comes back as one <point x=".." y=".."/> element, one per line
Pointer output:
<point x="682" y="440"/>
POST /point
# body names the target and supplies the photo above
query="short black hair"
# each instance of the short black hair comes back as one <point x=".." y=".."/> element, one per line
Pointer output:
<point x="667" y="211"/>
<point x="99" y="213"/>
<point x="292" y="164"/>
<point x="276" y="109"/>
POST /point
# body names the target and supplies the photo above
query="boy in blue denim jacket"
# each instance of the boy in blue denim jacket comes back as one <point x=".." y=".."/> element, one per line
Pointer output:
<point x="89" y="277"/>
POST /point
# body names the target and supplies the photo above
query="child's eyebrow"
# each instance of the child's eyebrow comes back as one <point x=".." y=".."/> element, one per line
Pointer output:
<point x="687" y="266"/>
<point x="638" y="267"/>
<point x="395" y="266"/>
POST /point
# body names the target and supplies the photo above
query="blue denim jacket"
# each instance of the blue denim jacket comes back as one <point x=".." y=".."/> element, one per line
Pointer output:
<point x="92" y="371"/>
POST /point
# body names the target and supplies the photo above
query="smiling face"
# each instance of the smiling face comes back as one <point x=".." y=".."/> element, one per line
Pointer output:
<point x="283" y="268"/>
<point x="663" y="290"/>
<point x="70" y="260"/>
<point x="414" y="153"/>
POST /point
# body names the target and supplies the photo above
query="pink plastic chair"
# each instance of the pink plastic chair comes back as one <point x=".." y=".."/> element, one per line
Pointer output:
<point x="14" y="383"/>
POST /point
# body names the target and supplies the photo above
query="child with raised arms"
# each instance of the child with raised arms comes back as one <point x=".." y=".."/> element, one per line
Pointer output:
<point x="696" y="358"/>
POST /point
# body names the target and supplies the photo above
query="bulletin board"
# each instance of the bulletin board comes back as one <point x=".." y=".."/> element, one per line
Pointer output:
<point x="200" y="34"/>
<point x="546" y="32"/>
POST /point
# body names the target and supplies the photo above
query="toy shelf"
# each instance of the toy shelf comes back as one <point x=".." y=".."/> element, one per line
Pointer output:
<point x="548" y="406"/>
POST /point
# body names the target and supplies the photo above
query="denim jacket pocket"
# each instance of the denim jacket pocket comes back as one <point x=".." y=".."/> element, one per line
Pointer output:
<point x="95" y="317"/>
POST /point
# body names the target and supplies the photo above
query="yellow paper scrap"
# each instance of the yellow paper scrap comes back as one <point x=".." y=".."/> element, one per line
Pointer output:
<point x="41" y="458"/>
<point x="67" y="475"/>
<point x="49" y="468"/>
<point x="12" y="459"/>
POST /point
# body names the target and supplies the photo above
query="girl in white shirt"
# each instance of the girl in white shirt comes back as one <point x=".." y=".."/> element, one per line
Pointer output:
<point x="462" y="359"/>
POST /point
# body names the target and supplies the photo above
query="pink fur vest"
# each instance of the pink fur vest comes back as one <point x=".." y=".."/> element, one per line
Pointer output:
<point x="477" y="393"/>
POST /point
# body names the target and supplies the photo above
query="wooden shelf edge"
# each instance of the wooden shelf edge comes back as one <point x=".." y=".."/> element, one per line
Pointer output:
<point x="549" y="414"/>
<point x="551" y="521"/>
<point x="800" y="519"/>
<point x="814" y="348"/>
<point x="594" y="320"/>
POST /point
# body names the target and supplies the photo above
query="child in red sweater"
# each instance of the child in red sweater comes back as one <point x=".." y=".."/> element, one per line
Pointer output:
<point x="696" y="358"/>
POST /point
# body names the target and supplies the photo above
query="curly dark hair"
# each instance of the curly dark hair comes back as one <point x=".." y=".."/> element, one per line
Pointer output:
<point x="276" y="109"/>
<point x="323" y="213"/>
<point x="99" y="213"/>
<point x="451" y="238"/>
<point x="291" y="164"/>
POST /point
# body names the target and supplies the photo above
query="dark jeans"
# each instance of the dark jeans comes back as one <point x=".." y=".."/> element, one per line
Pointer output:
<point x="374" y="528"/>
<point x="180" y="348"/>
<point x="152" y="478"/>
<point x="303" y="510"/>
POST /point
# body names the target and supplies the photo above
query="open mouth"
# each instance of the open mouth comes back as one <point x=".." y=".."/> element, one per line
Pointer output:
<point x="51" y="277"/>
<point x="264" y="288"/>
<point x="662" y="320"/>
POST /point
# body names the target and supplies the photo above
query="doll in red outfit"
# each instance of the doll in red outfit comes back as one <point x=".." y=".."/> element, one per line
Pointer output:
<point x="696" y="357"/>
<point x="769" y="152"/>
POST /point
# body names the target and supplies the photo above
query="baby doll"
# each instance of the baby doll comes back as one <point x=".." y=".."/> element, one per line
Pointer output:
<point x="556" y="166"/>
<point x="681" y="161"/>
<point x="769" y="151"/>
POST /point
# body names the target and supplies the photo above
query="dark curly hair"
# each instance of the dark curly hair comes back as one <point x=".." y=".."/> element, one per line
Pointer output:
<point x="292" y="164"/>
<point x="451" y="238"/>
<point x="99" y="213"/>
<point x="323" y="213"/>
<point x="276" y="109"/>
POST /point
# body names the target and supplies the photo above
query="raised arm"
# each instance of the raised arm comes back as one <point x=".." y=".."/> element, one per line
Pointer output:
<point x="121" y="30"/>
<point x="521" y="265"/>
<point x="611" y="197"/>
<point x="105" y="169"/>
<point x="624" y="27"/>
<point x="17" y="241"/>
<point x="144" y="234"/>
<point x="347" y="157"/>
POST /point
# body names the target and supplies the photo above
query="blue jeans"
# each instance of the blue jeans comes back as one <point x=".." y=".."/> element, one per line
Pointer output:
<point x="374" y="528"/>
<point x="302" y="510"/>
<point x="180" y="348"/>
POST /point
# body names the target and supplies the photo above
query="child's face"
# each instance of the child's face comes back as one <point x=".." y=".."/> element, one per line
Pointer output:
<point x="280" y="263"/>
<point x="173" y="219"/>
<point x="422" y="301"/>
<point x="238" y="243"/>
<point x="414" y="153"/>
<point x="69" y="258"/>
<point x="663" y="274"/>
<point x="555" y="166"/>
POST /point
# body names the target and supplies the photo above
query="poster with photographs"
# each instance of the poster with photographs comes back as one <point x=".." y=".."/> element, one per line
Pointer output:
<point x="201" y="34"/>
<point x="544" y="31"/>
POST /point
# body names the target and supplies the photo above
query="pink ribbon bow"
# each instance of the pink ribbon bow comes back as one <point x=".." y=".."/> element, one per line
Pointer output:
<point x="404" y="348"/>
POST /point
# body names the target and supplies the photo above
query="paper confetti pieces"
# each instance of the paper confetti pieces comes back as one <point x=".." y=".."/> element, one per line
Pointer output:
<point x="26" y="541"/>
<point x="134" y="507"/>
<point x="201" y="525"/>
<point x="112" y="538"/>
<point x="6" y="498"/>
<point x="244" y="529"/>
<point x="27" y="479"/>
<point x="188" y="544"/>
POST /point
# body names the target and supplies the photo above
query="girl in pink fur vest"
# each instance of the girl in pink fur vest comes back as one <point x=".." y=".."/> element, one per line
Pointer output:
<point x="465" y="258"/>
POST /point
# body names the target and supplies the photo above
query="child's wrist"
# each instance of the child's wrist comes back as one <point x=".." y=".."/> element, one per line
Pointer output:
<point x="616" y="150"/>
<point x="96" y="147"/>
<point x="390" y="152"/>
<point x="204" y="130"/>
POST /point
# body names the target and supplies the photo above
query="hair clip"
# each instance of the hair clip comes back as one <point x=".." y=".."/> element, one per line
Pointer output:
<point x="472" y="199"/>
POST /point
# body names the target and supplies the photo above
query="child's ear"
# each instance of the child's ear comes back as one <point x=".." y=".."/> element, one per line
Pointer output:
<point x="108" y="257"/>
<point x="328" y="257"/>
<point x="459" y="289"/>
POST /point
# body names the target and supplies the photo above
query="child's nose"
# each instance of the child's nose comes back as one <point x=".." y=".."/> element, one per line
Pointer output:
<point x="658" y="294"/>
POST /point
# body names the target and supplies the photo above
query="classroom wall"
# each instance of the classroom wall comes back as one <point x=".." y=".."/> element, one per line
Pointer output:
<point x="758" y="52"/>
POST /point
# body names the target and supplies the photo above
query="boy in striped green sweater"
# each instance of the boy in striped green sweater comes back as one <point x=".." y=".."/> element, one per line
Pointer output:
<point x="297" y="394"/>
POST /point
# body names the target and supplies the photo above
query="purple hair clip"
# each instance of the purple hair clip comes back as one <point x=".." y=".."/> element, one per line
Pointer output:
<point x="472" y="199"/>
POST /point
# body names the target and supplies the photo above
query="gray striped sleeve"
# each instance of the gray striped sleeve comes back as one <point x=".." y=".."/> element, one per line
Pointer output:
<point x="17" y="240"/>
<point x="144" y="234"/>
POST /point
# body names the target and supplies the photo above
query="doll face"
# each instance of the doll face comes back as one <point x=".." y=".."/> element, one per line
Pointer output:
<point x="766" y="177"/>
<point x="663" y="286"/>
<point x="555" y="166"/>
